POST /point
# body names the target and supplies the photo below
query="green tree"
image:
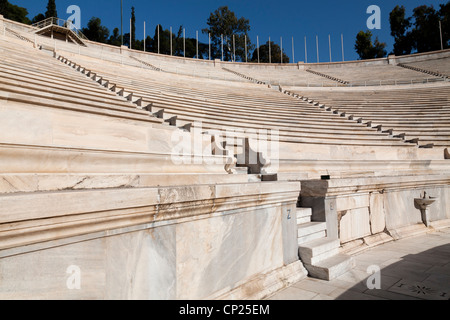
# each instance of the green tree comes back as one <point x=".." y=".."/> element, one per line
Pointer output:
<point x="367" y="49"/>
<point x="95" y="31"/>
<point x="115" y="38"/>
<point x="51" y="9"/>
<point x="426" y="29"/>
<point x="224" y="22"/>
<point x="13" y="12"/>
<point x="133" y="28"/>
<point x="420" y="33"/>
<point x="37" y="18"/>
<point x="399" y="30"/>
<point x="275" y="54"/>
<point x="164" y="40"/>
<point x="444" y="16"/>
<point x="3" y="7"/>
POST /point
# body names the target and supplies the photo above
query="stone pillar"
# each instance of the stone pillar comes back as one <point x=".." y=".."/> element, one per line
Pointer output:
<point x="289" y="233"/>
<point x="392" y="60"/>
<point x="123" y="49"/>
<point x="2" y="25"/>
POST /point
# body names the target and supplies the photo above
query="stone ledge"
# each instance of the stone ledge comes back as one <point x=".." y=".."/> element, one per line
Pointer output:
<point x="85" y="160"/>
<point x="441" y="224"/>
<point x="350" y="186"/>
<point x="45" y="216"/>
<point x="264" y="285"/>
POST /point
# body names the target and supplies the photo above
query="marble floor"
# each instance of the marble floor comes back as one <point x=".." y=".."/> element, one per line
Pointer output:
<point x="413" y="268"/>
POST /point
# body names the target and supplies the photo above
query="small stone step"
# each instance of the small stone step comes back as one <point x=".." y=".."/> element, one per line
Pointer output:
<point x="318" y="250"/>
<point x="310" y="228"/>
<point x="331" y="268"/>
<point x="303" y="215"/>
<point x="303" y="220"/>
<point x="304" y="212"/>
<point x="241" y="170"/>
<point x="311" y="237"/>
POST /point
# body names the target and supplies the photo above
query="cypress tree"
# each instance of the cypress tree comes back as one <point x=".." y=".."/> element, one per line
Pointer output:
<point x="51" y="9"/>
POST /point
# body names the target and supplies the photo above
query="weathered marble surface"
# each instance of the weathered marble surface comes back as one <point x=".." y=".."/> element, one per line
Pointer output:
<point x="358" y="208"/>
<point x="188" y="242"/>
<point x="189" y="259"/>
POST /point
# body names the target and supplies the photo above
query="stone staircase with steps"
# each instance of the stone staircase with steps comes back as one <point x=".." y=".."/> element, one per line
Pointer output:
<point x="328" y="77"/>
<point x="320" y="254"/>
<point x="244" y="76"/>
<point x="151" y="66"/>
<point x="431" y="73"/>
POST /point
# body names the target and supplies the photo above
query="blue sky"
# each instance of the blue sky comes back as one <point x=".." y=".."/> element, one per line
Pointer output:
<point x="286" y="19"/>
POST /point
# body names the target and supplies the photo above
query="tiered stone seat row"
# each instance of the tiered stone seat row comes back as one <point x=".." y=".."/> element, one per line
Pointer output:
<point x="284" y="76"/>
<point x="222" y="105"/>
<point x="52" y="85"/>
<point x="374" y="75"/>
<point x="411" y="113"/>
<point x="187" y="67"/>
<point x="439" y="66"/>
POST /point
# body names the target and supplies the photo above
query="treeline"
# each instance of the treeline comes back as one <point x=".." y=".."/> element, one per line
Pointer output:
<point x="416" y="34"/>
<point x="230" y="40"/>
<point x="20" y="14"/>
<point x="229" y="36"/>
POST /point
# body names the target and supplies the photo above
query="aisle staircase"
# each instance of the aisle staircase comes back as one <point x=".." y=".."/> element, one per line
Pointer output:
<point x="317" y="251"/>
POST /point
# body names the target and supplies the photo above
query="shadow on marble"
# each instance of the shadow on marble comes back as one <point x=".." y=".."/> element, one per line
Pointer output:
<point x="424" y="275"/>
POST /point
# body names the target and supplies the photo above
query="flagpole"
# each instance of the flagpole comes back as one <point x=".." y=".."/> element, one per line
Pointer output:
<point x="257" y="45"/>
<point x="121" y="21"/>
<point x="281" y="48"/>
<point x="245" y="45"/>
<point x="329" y="45"/>
<point x="317" y="45"/>
<point x="293" y="51"/>
<point x="270" y="53"/>
<point x="306" y="52"/>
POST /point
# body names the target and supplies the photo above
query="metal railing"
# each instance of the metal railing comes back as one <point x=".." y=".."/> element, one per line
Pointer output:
<point x="361" y="83"/>
<point x="60" y="23"/>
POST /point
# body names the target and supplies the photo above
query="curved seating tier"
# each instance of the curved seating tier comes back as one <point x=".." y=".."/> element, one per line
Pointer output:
<point x="223" y="105"/>
<point x="374" y="75"/>
<point x="283" y="75"/>
<point x="422" y="113"/>
<point x="439" y="66"/>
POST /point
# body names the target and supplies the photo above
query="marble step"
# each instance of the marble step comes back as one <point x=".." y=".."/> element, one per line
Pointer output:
<point x="304" y="215"/>
<point x="318" y="250"/>
<point x="331" y="268"/>
<point x="311" y="231"/>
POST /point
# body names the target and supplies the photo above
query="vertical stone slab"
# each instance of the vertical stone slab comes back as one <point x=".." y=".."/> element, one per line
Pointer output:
<point x="289" y="234"/>
<point x="377" y="213"/>
<point x="331" y="218"/>
<point x="2" y="25"/>
<point x="354" y="225"/>
<point x="141" y="265"/>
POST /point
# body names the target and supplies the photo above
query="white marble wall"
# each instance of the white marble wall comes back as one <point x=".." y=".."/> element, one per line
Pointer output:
<point x="185" y="259"/>
<point x="359" y="208"/>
